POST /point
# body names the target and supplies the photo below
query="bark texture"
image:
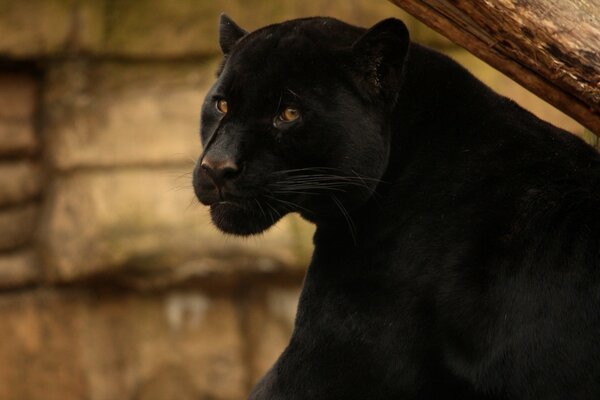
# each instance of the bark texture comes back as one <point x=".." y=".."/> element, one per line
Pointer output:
<point x="551" y="47"/>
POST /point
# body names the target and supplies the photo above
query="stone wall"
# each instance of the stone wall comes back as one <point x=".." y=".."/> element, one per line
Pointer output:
<point x="113" y="283"/>
<point x="21" y="178"/>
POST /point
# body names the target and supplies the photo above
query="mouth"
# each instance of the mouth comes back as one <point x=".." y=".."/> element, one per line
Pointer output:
<point x="244" y="216"/>
<point x="214" y="195"/>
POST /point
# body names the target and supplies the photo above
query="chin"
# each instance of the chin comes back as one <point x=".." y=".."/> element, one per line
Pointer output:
<point x="241" y="220"/>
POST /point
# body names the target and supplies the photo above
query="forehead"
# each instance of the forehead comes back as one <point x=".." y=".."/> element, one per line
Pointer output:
<point x="297" y="49"/>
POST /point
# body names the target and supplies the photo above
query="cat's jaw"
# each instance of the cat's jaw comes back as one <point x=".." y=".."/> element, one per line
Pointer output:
<point x="244" y="218"/>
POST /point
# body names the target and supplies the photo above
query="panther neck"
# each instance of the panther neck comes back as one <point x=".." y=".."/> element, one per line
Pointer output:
<point x="437" y="94"/>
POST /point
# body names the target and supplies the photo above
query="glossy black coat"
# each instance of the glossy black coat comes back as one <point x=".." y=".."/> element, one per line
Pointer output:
<point x="468" y="264"/>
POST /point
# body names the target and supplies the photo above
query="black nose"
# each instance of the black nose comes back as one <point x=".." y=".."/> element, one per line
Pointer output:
<point x="220" y="170"/>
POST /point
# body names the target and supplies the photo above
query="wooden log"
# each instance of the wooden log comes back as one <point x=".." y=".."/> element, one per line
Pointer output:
<point x="551" y="47"/>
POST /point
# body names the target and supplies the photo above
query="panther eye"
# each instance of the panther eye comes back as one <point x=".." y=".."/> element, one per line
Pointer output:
<point x="289" y="114"/>
<point x="221" y="105"/>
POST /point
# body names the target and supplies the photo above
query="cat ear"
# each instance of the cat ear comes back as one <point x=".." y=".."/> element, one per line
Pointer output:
<point x="229" y="34"/>
<point x="380" y="55"/>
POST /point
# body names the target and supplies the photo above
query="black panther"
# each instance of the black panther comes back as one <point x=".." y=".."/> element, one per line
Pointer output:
<point x="457" y="244"/>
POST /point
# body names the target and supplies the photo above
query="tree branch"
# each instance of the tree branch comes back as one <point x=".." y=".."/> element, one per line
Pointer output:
<point x="551" y="47"/>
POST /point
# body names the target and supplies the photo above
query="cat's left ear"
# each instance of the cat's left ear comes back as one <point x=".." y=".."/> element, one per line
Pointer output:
<point x="229" y="33"/>
<point x="380" y="54"/>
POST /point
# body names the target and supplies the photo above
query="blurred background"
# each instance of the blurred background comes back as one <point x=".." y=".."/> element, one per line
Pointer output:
<point x="113" y="283"/>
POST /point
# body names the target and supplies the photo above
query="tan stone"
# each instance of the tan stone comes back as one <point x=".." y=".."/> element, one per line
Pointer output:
<point x="107" y="114"/>
<point x="17" y="225"/>
<point x="111" y="114"/>
<point x="169" y="28"/>
<point x="159" y="28"/>
<point x="269" y="321"/>
<point x="17" y="96"/>
<point x="39" y="348"/>
<point x="145" y="220"/>
<point x="106" y="345"/>
<point x="18" y="269"/>
<point x="19" y="181"/>
<point x="17" y="138"/>
<point x="42" y="27"/>
<point x="32" y="26"/>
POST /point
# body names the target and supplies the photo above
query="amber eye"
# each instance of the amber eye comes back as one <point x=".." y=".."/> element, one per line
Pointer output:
<point x="289" y="114"/>
<point x="222" y="106"/>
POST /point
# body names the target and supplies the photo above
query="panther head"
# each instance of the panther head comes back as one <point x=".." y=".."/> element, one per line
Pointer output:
<point x="298" y="120"/>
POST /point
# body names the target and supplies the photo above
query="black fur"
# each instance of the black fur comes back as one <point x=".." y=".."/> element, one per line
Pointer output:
<point x="457" y="251"/>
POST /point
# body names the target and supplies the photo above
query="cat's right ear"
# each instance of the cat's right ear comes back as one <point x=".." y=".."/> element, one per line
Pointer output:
<point x="229" y="34"/>
<point x="380" y="54"/>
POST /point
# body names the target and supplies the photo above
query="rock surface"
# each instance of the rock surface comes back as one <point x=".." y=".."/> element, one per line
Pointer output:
<point x="17" y="95"/>
<point x="98" y="221"/>
<point x="110" y="114"/>
<point x="160" y="28"/>
<point x="114" y="285"/>
<point x="18" y="269"/>
<point x="269" y="320"/>
<point x="17" y="225"/>
<point x="99" y="344"/>
<point x="19" y="182"/>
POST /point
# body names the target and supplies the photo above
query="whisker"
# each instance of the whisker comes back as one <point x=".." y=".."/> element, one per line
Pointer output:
<point x="321" y="178"/>
<point x="294" y="93"/>
<point x="331" y="185"/>
<point x="328" y="180"/>
<point x="325" y="169"/>
<point x="179" y="173"/>
<point x="287" y="191"/>
<point x="308" y="169"/>
<point x="179" y="188"/>
<point x="295" y="188"/>
<point x="335" y="177"/>
<point x="193" y="201"/>
<point x="275" y="212"/>
<point x="260" y="207"/>
<point x="351" y="225"/>
<point x="290" y="205"/>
